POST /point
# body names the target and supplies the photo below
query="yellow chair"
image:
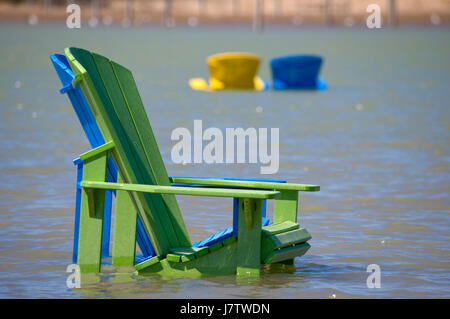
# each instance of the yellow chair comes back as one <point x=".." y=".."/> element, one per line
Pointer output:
<point x="231" y="71"/>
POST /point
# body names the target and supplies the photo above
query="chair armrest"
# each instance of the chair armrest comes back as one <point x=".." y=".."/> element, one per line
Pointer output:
<point x="98" y="150"/>
<point x="171" y="179"/>
<point x="246" y="184"/>
<point x="214" y="192"/>
<point x="231" y="179"/>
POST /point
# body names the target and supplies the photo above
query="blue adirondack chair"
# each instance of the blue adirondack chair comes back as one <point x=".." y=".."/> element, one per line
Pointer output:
<point x="95" y="139"/>
<point x="293" y="72"/>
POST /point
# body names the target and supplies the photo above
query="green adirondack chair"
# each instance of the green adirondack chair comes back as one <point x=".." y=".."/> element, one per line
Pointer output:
<point x="144" y="188"/>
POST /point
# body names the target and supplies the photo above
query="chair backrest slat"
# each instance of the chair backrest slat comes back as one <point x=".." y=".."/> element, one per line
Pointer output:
<point x="145" y="132"/>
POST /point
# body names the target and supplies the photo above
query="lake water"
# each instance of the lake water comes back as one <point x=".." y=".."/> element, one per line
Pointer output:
<point x="377" y="142"/>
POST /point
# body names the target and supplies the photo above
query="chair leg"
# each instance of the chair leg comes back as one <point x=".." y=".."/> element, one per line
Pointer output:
<point x="249" y="237"/>
<point x="285" y="207"/>
<point x="91" y="216"/>
<point x="77" y="213"/>
<point x="107" y="223"/>
<point x="124" y="240"/>
<point x="236" y="213"/>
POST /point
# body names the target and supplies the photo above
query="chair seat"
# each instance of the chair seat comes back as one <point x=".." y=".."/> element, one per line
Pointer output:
<point x="279" y="242"/>
<point x="220" y="236"/>
<point x="208" y="241"/>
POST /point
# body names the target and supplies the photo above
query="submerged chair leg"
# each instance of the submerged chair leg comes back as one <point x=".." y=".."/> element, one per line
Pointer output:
<point x="124" y="240"/>
<point x="91" y="216"/>
<point x="107" y="223"/>
<point x="249" y="237"/>
<point x="79" y="164"/>
<point x="106" y="218"/>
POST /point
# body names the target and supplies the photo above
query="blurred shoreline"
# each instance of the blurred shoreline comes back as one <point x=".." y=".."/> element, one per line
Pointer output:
<point x="241" y="12"/>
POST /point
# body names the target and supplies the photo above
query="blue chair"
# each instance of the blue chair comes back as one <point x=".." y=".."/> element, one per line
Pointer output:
<point x="293" y="72"/>
<point x="95" y="139"/>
